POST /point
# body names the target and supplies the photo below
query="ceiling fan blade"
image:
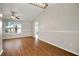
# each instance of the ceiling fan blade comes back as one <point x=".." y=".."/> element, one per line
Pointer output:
<point x="13" y="15"/>
<point x="17" y="17"/>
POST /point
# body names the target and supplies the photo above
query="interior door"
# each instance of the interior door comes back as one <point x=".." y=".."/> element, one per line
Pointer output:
<point x="36" y="31"/>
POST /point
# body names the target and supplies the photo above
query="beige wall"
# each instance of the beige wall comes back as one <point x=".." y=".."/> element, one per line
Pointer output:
<point x="59" y="25"/>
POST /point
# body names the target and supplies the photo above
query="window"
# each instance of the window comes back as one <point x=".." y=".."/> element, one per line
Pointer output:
<point x="12" y="27"/>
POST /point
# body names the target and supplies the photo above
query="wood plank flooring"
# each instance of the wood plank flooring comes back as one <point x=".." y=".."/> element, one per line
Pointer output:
<point x="27" y="47"/>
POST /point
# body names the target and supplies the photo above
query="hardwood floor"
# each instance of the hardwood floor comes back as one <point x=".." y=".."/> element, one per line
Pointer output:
<point x="27" y="47"/>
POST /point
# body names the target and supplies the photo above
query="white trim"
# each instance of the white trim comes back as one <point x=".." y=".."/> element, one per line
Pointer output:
<point x="61" y="31"/>
<point x="59" y="47"/>
<point x="6" y="38"/>
<point x="1" y="52"/>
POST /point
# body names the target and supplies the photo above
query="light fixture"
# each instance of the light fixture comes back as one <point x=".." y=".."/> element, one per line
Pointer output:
<point x="41" y="5"/>
<point x="1" y="15"/>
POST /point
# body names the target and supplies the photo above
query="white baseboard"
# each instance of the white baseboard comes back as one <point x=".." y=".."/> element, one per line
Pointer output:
<point x="60" y="47"/>
<point x="1" y="52"/>
<point x="15" y="37"/>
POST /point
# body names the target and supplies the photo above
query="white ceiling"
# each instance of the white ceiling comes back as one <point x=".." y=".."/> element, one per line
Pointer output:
<point x="23" y="10"/>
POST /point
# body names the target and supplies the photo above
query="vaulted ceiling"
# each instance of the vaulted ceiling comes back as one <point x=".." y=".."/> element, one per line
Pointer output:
<point x="23" y="10"/>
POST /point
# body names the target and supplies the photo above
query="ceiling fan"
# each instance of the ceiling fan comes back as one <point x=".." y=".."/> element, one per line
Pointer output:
<point x="13" y="16"/>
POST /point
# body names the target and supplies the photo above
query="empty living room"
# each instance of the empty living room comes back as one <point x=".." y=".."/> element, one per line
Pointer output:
<point x="39" y="29"/>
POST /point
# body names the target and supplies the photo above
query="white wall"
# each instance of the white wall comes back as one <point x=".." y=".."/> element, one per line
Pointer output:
<point x="26" y="30"/>
<point x="0" y="35"/>
<point x="59" y="25"/>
